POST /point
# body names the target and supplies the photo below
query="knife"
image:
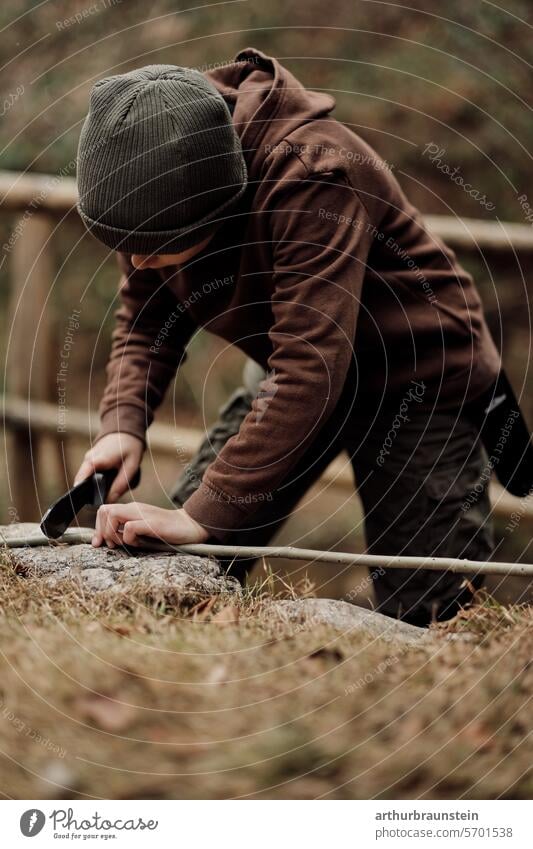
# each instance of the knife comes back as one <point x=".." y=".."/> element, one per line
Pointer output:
<point x="506" y="436"/>
<point x="91" y="492"/>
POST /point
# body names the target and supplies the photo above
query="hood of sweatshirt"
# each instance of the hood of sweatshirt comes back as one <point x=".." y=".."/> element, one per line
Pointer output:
<point x="267" y="102"/>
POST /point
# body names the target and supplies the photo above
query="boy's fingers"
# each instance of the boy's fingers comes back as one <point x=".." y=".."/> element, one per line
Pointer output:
<point x="98" y="537"/>
<point x="107" y="525"/>
<point x="109" y="519"/>
<point x="89" y="467"/>
<point x="131" y="511"/>
<point x="121" y="483"/>
<point x="86" y="469"/>
<point x="110" y="531"/>
<point x="133" y="530"/>
<point x="118" y="488"/>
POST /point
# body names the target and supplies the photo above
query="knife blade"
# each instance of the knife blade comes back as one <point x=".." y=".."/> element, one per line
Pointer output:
<point x="91" y="492"/>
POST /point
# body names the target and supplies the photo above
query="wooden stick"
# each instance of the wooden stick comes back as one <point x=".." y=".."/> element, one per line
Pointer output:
<point x="434" y="564"/>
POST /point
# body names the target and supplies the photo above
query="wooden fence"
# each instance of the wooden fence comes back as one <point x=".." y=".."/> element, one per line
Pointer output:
<point x="41" y="203"/>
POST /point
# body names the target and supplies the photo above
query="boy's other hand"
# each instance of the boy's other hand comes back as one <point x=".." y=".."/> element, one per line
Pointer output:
<point x="123" y="524"/>
<point x="120" y="451"/>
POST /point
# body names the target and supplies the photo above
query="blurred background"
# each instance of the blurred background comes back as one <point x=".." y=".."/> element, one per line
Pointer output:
<point x="442" y="93"/>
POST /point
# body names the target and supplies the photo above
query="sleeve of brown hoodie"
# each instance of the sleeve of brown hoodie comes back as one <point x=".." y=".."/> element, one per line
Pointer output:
<point x="320" y="240"/>
<point x="148" y="345"/>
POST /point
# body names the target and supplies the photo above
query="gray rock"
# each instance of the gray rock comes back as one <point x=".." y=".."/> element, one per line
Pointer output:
<point x="188" y="576"/>
<point x="116" y="570"/>
<point x="308" y="613"/>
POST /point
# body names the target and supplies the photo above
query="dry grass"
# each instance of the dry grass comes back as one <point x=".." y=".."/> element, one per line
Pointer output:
<point x="114" y="697"/>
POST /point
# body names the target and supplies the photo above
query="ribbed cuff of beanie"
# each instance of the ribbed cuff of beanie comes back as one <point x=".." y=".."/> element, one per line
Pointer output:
<point x="148" y="242"/>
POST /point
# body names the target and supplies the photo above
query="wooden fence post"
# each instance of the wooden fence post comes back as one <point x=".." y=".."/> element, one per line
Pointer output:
<point x="28" y="355"/>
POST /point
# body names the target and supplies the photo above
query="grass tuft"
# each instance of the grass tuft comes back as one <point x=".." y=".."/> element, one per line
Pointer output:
<point x="124" y="695"/>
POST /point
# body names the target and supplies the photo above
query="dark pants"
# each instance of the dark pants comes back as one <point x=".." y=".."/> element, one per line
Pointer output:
<point x="422" y="480"/>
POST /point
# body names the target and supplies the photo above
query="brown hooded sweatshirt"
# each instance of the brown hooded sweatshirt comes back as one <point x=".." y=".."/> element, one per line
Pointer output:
<point x="324" y="274"/>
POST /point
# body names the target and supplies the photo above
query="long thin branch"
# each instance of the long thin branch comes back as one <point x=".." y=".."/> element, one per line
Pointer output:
<point x="436" y="564"/>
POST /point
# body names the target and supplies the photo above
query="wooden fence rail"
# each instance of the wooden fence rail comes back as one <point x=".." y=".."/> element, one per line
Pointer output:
<point x="163" y="440"/>
<point x="41" y="202"/>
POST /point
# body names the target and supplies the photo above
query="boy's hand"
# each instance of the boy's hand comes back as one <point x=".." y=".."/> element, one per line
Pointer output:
<point x="120" y="451"/>
<point x="118" y="524"/>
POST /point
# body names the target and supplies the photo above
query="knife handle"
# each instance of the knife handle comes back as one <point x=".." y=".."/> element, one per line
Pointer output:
<point x="103" y="481"/>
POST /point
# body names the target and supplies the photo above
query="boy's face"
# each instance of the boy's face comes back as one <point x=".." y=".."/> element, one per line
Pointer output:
<point x="163" y="260"/>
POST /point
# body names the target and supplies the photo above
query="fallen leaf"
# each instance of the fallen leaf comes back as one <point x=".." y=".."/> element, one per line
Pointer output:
<point x="227" y="616"/>
<point x="327" y="654"/>
<point x="106" y="713"/>
<point x="478" y="735"/>
<point x="200" y="610"/>
<point x="121" y="630"/>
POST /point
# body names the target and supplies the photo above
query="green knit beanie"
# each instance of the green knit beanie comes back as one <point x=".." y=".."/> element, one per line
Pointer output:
<point x="159" y="162"/>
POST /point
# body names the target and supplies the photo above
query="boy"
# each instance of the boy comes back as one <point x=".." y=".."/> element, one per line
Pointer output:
<point x="237" y="203"/>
